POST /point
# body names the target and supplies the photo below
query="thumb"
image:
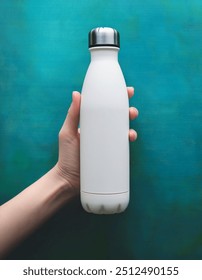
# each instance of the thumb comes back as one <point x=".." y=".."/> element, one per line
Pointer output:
<point x="72" y="120"/>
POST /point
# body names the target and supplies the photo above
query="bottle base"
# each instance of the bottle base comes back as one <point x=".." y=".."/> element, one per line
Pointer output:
<point x="104" y="203"/>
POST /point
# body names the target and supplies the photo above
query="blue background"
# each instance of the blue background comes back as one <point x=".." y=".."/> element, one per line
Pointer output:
<point x="43" y="58"/>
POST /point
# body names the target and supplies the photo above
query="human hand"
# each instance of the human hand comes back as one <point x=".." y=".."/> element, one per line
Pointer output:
<point x="68" y="165"/>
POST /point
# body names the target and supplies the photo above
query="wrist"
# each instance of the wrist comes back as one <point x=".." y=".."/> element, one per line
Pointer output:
<point x="66" y="187"/>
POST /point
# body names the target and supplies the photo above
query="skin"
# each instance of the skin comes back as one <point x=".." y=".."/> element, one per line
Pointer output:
<point x="24" y="213"/>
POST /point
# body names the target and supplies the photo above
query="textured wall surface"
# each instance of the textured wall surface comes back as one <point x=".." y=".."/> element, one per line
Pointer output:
<point x="43" y="57"/>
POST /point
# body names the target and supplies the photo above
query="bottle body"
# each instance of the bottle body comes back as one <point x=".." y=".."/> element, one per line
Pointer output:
<point x="104" y="144"/>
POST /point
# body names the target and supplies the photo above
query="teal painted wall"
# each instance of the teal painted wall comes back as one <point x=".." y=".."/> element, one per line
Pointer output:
<point x="43" y="57"/>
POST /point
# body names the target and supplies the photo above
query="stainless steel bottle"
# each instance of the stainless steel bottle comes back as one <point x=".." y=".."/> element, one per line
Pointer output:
<point x="104" y="125"/>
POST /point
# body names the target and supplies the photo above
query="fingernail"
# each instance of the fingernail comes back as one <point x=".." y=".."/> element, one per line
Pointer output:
<point x="132" y="88"/>
<point x="73" y="94"/>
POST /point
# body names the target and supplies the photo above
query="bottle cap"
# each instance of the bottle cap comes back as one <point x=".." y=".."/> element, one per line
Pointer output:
<point x="104" y="36"/>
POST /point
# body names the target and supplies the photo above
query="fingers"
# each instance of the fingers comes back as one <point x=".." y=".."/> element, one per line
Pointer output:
<point x="72" y="120"/>
<point x="130" y="91"/>
<point x="132" y="135"/>
<point x="133" y="113"/>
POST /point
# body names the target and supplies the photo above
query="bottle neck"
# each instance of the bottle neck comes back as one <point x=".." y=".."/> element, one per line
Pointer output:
<point x="102" y="53"/>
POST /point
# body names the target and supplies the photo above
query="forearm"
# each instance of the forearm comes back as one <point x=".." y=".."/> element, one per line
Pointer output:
<point x="30" y="208"/>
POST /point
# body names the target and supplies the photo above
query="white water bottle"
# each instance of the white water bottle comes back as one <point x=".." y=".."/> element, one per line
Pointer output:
<point x="104" y="126"/>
